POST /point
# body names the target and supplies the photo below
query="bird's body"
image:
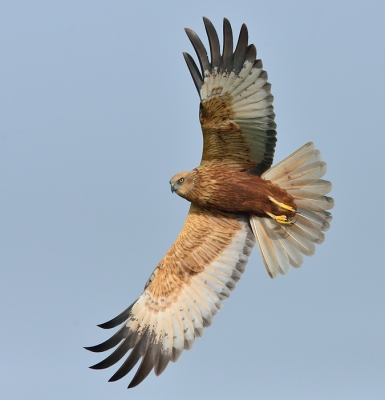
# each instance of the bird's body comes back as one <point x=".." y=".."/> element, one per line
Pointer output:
<point x="237" y="200"/>
<point x="218" y="187"/>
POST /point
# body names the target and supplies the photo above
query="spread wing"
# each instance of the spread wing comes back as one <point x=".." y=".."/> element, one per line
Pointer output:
<point x="236" y="112"/>
<point x="183" y="294"/>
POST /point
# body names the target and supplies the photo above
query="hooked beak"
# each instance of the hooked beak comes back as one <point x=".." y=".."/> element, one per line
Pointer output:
<point x="172" y="188"/>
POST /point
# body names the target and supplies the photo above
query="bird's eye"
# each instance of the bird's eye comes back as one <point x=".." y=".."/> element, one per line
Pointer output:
<point x="181" y="180"/>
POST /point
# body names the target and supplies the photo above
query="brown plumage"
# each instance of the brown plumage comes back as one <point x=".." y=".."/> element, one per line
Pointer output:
<point x="236" y="200"/>
<point x="231" y="190"/>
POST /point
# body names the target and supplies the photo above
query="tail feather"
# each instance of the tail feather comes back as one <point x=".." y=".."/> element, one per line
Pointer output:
<point x="282" y="245"/>
<point x="277" y="241"/>
<point x="318" y="220"/>
<point x="303" y="176"/>
<point x="300" y="157"/>
<point x="319" y="204"/>
<point x="312" y="190"/>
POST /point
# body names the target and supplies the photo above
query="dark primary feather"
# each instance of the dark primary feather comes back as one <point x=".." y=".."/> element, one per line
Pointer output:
<point x="137" y="352"/>
<point x="214" y="43"/>
<point x="131" y="340"/>
<point x="227" y="45"/>
<point x="111" y="342"/>
<point x="251" y="53"/>
<point x="119" y="319"/>
<point x="199" y="49"/>
<point x="241" y="49"/>
<point x="149" y="360"/>
<point x="194" y="71"/>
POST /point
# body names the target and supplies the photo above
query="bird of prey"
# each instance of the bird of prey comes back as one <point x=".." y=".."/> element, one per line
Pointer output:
<point x="236" y="198"/>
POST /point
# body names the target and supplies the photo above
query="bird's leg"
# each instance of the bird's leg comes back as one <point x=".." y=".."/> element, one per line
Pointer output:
<point x="282" y="205"/>
<point x="282" y="219"/>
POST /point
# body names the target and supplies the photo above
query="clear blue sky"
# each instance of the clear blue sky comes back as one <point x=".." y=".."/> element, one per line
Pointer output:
<point x="98" y="111"/>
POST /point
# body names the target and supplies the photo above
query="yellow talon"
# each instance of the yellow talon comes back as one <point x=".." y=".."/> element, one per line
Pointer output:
<point x="282" y="205"/>
<point x="282" y="219"/>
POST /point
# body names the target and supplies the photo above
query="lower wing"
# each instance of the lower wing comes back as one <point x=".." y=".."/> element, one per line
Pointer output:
<point x="182" y="296"/>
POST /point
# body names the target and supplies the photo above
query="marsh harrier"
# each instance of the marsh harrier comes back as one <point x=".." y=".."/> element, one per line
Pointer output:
<point x="236" y="199"/>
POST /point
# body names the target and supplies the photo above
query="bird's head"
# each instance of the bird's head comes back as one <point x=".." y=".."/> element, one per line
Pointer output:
<point x="182" y="183"/>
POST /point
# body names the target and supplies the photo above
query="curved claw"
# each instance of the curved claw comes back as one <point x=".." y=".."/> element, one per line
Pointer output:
<point x="282" y="219"/>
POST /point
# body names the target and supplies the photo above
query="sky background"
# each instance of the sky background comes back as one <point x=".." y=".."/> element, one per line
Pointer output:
<point x="98" y="111"/>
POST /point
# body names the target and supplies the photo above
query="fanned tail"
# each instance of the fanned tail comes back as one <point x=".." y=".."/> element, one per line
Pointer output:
<point x="282" y="245"/>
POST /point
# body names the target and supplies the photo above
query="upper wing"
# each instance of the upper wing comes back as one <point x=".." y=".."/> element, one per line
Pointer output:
<point x="182" y="295"/>
<point x="236" y="112"/>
